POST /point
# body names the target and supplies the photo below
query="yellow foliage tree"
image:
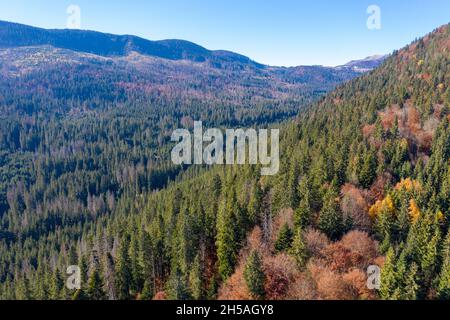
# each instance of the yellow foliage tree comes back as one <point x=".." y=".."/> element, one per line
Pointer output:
<point x="409" y="185"/>
<point x="382" y="205"/>
<point x="414" y="211"/>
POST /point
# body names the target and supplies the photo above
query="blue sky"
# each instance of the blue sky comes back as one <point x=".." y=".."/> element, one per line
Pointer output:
<point x="275" y="32"/>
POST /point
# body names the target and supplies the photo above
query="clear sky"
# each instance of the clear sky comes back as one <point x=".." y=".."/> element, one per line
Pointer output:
<point x="275" y="32"/>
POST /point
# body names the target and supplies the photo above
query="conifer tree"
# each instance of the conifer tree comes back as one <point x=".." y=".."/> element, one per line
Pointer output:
<point x="443" y="288"/>
<point x="95" y="287"/>
<point x="330" y="219"/>
<point x="195" y="279"/>
<point x="123" y="272"/>
<point x="411" y="287"/>
<point x="254" y="204"/>
<point x="299" y="249"/>
<point x="24" y="290"/>
<point x="177" y="287"/>
<point x="388" y="276"/>
<point x="368" y="170"/>
<point x="147" y="261"/>
<point x="284" y="240"/>
<point x="303" y="212"/>
<point x="402" y="222"/>
<point x="56" y="286"/>
<point x="226" y="241"/>
<point x="135" y="265"/>
<point x="254" y="276"/>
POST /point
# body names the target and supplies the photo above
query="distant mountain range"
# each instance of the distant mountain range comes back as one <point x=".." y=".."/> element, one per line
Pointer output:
<point x="14" y="35"/>
<point x="364" y="65"/>
<point x="74" y="65"/>
<point x="103" y="44"/>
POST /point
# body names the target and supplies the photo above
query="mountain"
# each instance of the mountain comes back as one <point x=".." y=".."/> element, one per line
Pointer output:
<point x="13" y="35"/>
<point x="17" y="35"/>
<point x="364" y="65"/>
<point x="69" y="64"/>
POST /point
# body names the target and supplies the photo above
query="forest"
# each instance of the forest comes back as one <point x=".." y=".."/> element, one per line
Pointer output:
<point x="86" y="180"/>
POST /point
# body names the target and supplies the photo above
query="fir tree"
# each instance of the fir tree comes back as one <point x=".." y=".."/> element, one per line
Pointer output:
<point x="368" y="170"/>
<point x="195" y="279"/>
<point x="303" y="212"/>
<point x="95" y="286"/>
<point x="177" y="288"/>
<point x="284" y="240"/>
<point x="226" y="241"/>
<point x="254" y="276"/>
<point x="388" y="276"/>
<point x="123" y="272"/>
<point x="299" y="249"/>
<point x="330" y="219"/>
<point x="443" y="288"/>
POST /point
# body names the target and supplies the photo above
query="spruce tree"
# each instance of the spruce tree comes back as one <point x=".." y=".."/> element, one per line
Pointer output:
<point x="123" y="272"/>
<point x="284" y="240"/>
<point x="226" y="241"/>
<point x="95" y="287"/>
<point x="411" y="287"/>
<point x="330" y="219"/>
<point x="303" y="212"/>
<point x="177" y="287"/>
<point x="368" y="171"/>
<point x="299" y="249"/>
<point x="56" y="286"/>
<point x="254" y="276"/>
<point x="195" y="279"/>
<point x="443" y="288"/>
<point x="135" y="265"/>
<point x="388" y="276"/>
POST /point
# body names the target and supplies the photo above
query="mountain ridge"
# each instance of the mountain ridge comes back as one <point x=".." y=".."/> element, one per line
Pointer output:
<point x="14" y="35"/>
<point x="106" y="44"/>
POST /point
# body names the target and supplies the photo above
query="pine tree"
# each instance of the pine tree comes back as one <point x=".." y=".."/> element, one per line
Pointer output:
<point x="195" y="279"/>
<point x="388" y="276"/>
<point x="95" y="286"/>
<point x="443" y="288"/>
<point x="402" y="222"/>
<point x="147" y="291"/>
<point x="411" y="287"/>
<point x="293" y="184"/>
<point x="379" y="130"/>
<point x="254" y="276"/>
<point x="147" y="261"/>
<point x="123" y="272"/>
<point x="330" y="219"/>
<point x="23" y="290"/>
<point x="56" y="286"/>
<point x="299" y="249"/>
<point x="254" y="204"/>
<point x="135" y="265"/>
<point x="368" y="170"/>
<point x="177" y="288"/>
<point x="284" y="240"/>
<point x="226" y="241"/>
<point x="430" y="257"/>
<point x="303" y="212"/>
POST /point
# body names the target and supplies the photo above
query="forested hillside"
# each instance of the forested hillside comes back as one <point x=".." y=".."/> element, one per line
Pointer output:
<point x="364" y="180"/>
